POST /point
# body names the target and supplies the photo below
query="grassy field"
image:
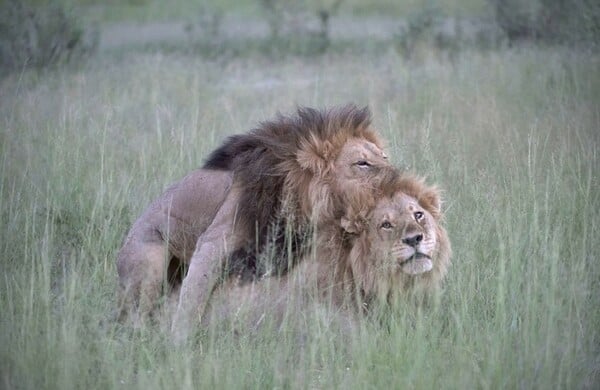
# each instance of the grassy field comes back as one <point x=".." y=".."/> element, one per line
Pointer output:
<point x="512" y="136"/>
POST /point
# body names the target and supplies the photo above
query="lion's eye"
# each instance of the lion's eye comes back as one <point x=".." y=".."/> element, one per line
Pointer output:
<point x="363" y="163"/>
<point x="386" y="225"/>
<point x="419" y="215"/>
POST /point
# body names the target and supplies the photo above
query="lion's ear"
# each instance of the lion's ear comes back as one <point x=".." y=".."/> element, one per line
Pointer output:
<point x="314" y="155"/>
<point x="310" y="161"/>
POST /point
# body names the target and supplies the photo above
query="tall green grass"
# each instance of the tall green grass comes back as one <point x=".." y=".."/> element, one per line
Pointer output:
<point x="512" y="137"/>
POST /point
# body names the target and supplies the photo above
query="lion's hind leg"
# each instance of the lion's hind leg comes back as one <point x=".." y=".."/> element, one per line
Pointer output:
<point x="142" y="271"/>
<point x="213" y="247"/>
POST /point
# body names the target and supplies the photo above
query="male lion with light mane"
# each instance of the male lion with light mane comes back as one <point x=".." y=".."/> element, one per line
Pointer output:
<point x="266" y="189"/>
<point x="381" y="250"/>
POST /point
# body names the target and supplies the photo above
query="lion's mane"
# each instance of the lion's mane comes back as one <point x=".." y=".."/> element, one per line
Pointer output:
<point x="285" y="170"/>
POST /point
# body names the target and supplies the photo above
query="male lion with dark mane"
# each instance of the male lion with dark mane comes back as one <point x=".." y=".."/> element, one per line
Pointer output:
<point x="384" y="248"/>
<point x="269" y="189"/>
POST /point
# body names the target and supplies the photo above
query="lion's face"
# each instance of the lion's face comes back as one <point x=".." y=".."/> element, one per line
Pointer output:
<point x="396" y="241"/>
<point x="400" y="236"/>
<point x="359" y="159"/>
<point x="403" y="235"/>
<point x="355" y="169"/>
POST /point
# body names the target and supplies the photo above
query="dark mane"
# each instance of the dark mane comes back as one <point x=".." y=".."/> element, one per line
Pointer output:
<point x="262" y="161"/>
<point x="283" y="136"/>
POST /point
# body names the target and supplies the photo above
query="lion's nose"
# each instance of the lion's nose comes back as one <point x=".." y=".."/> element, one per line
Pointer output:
<point x="413" y="240"/>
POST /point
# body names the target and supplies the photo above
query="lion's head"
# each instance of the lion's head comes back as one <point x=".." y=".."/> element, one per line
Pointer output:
<point x="294" y="172"/>
<point x="398" y="244"/>
<point x="337" y="152"/>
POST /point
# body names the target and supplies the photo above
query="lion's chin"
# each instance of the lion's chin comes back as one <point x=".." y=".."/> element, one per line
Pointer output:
<point x="417" y="264"/>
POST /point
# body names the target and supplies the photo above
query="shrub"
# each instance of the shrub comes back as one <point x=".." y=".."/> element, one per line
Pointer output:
<point x="292" y="23"/>
<point x="419" y="30"/>
<point x="555" y="21"/>
<point x="429" y="30"/>
<point x="39" y="36"/>
<point x="205" y="31"/>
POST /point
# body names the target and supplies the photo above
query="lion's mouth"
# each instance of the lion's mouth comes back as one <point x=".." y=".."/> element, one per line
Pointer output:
<point x="418" y="263"/>
<point x="415" y="256"/>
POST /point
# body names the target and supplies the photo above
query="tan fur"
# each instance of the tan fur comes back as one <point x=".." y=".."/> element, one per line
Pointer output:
<point x="357" y="261"/>
<point x="302" y="175"/>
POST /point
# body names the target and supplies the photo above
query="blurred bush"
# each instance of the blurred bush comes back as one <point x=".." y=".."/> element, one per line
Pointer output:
<point x="552" y="21"/>
<point x="301" y="26"/>
<point x="418" y="33"/>
<point x="431" y="31"/>
<point x="205" y="30"/>
<point x="41" y="35"/>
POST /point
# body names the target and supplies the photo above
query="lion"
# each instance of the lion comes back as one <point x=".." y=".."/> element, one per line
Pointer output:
<point x="383" y="249"/>
<point x="269" y="189"/>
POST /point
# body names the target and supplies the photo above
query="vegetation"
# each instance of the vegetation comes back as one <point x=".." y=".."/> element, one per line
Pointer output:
<point x="575" y="21"/>
<point x="510" y="134"/>
<point x="40" y="35"/>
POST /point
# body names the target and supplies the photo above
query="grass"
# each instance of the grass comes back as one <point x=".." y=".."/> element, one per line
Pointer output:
<point x="511" y="136"/>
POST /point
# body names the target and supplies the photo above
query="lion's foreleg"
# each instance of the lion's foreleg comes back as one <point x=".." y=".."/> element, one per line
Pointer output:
<point x="219" y="240"/>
